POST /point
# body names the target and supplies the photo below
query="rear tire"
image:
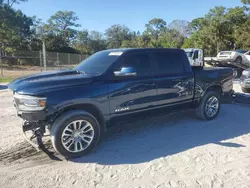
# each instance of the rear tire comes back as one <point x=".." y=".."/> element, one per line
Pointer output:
<point x="75" y="133"/>
<point x="245" y="90"/>
<point x="209" y="106"/>
<point x="238" y="60"/>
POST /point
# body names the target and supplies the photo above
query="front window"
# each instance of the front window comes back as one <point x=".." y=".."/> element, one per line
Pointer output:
<point x="189" y="54"/>
<point x="98" y="63"/>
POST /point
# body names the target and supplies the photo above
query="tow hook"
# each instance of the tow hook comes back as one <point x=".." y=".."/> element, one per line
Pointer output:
<point x="37" y="133"/>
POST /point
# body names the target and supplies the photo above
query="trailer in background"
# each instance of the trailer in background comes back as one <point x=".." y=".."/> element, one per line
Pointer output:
<point x="196" y="58"/>
<point x="238" y="68"/>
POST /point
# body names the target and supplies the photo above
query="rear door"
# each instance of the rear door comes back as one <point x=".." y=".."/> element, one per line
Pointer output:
<point x="174" y="83"/>
<point x="132" y="93"/>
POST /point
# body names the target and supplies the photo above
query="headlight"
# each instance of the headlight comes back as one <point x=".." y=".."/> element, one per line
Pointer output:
<point x="29" y="103"/>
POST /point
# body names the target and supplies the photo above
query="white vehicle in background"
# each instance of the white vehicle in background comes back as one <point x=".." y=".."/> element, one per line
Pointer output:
<point x="236" y="56"/>
<point x="238" y="60"/>
<point x="195" y="56"/>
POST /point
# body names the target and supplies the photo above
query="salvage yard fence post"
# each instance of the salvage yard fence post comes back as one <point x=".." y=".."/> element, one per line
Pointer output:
<point x="1" y="63"/>
<point x="69" y="59"/>
<point x="57" y="59"/>
<point x="44" y="56"/>
<point x="41" y="61"/>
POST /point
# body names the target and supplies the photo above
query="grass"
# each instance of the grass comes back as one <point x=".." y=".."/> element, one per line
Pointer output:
<point x="5" y="79"/>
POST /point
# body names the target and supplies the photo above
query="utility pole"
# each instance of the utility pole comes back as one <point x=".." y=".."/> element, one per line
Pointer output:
<point x="44" y="57"/>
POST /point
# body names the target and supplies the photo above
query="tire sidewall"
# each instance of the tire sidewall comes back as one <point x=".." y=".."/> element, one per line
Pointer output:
<point x="59" y="126"/>
<point x="206" y="98"/>
<point x="245" y="90"/>
<point x="239" y="59"/>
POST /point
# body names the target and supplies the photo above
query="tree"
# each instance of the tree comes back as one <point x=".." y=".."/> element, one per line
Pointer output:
<point x="15" y="29"/>
<point x="11" y="2"/>
<point x="62" y="23"/>
<point x="96" y="42"/>
<point x="154" y="27"/>
<point x="243" y="36"/>
<point x="182" y="26"/>
<point x="171" y="38"/>
<point x="116" y="34"/>
<point x="245" y="1"/>
<point x="89" y="42"/>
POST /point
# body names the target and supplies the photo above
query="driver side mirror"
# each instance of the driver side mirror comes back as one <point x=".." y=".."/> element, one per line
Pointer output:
<point x="126" y="71"/>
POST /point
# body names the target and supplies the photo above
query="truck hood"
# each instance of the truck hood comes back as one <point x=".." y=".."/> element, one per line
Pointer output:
<point x="40" y="83"/>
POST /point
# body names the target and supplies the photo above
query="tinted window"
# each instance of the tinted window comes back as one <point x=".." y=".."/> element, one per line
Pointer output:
<point x="98" y="62"/>
<point x="139" y="61"/>
<point x="189" y="54"/>
<point x="169" y="62"/>
<point x="196" y="55"/>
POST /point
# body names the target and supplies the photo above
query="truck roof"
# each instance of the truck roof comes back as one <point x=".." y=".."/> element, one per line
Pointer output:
<point x="190" y="49"/>
<point x="142" y="49"/>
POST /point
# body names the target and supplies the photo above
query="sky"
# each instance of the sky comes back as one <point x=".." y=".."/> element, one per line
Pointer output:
<point x="101" y="14"/>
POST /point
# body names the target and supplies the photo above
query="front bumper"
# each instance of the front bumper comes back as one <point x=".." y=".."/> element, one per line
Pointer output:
<point x="32" y="116"/>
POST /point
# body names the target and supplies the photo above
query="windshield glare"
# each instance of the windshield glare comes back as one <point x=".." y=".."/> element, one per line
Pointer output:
<point x="97" y="63"/>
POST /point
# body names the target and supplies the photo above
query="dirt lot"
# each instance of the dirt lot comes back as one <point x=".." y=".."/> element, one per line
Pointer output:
<point x="168" y="151"/>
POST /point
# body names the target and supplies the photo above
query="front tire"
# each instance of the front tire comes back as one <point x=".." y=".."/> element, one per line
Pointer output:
<point x="209" y="106"/>
<point x="237" y="73"/>
<point x="238" y="60"/>
<point x="75" y="133"/>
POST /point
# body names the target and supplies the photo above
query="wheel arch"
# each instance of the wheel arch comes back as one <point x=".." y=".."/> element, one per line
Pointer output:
<point x="216" y="88"/>
<point x="87" y="107"/>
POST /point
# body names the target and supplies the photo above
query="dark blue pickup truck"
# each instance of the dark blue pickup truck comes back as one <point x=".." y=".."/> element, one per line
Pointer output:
<point x="111" y="87"/>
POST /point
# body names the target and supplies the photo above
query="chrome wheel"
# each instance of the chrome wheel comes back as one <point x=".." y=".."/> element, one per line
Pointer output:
<point x="77" y="136"/>
<point x="212" y="106"/>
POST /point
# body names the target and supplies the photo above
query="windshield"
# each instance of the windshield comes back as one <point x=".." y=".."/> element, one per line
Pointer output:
<point x="189" y="54"/>
<point x="98" y="63"/>
<point x="241" y="51"/>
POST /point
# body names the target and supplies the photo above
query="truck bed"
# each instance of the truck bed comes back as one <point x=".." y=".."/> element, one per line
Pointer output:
<point x="212" y="76"/>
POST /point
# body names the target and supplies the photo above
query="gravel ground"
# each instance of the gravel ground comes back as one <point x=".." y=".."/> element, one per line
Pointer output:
<point x="167" y="151"/>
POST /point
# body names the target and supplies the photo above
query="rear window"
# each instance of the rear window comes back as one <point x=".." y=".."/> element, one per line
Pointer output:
<point x="169" y="62"/>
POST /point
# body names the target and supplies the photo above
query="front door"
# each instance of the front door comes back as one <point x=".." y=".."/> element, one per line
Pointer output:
<point x="132" y="93"/>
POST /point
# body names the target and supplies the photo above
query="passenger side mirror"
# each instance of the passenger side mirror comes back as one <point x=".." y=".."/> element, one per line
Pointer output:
<point x="126" y="71"/>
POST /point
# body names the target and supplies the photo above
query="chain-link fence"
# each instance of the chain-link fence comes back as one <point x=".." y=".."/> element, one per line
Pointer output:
<point x="25" y="63"/>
